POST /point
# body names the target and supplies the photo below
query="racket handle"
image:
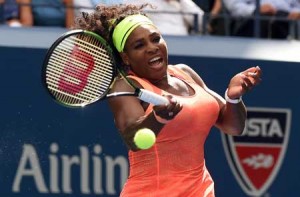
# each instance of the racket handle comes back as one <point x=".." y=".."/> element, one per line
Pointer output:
<point x="153" y="98"/>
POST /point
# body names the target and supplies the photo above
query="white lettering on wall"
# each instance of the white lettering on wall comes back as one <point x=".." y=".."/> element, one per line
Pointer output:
<point x="97" y="172"/>
<point x="264" y="127"/>
<point x="30" y="158"/>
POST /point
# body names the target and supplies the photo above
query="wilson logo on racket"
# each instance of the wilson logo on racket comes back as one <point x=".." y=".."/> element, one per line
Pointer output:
<point x="255" y="158"/>
<point x="74" y="78"/>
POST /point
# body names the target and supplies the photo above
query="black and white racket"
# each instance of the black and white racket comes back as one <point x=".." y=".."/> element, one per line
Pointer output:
<point x="80" y="68"/>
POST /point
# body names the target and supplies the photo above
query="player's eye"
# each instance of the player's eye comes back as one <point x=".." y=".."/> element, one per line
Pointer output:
<point x="138" y="45"/>
<point x="156" y="39"/>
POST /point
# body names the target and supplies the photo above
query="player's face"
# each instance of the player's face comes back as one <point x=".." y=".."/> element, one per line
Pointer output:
<point x="146" y="53"/>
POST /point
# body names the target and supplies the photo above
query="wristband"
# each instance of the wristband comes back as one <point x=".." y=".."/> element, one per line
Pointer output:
<point x="160" y="119"/>
<point x="232" y="101"/>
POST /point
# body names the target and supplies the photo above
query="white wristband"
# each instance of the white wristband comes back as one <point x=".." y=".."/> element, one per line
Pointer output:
<point x="232" y="101"/>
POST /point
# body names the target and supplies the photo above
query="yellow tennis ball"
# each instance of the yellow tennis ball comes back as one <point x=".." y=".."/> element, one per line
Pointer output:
<point x="144" y="138"/>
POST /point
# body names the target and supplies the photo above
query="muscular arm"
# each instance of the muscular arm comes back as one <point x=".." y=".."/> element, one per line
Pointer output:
<point x="129" y="115"/>
<point x="232" y="117"/>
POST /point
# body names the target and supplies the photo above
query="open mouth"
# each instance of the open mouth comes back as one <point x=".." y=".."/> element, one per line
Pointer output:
<point x="156" y="61"/>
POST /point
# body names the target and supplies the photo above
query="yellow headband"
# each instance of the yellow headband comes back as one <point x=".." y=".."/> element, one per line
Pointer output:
<point x="125" y="27"/>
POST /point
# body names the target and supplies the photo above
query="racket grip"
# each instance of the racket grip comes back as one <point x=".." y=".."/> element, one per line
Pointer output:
<point x="153" y="98"/>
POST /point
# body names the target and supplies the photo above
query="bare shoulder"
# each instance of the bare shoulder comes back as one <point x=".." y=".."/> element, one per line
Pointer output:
<point x="122" y="85"/>
<point x="183" y="67"/>
<point x="190" y="71"/>
<point x="119" y="85"/>
<point x="123" y="114"/>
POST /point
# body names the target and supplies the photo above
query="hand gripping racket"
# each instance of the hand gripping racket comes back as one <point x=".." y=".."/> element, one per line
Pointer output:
<point x="80" y="68"/>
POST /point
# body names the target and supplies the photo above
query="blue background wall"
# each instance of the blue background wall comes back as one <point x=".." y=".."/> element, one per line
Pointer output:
<point x="31" y="120"/>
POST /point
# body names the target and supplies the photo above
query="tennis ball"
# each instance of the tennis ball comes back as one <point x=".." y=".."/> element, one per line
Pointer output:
<point x="144" y="138"/>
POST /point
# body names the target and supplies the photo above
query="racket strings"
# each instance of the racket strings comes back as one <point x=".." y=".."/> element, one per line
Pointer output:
<point x="59" y="63"/>
<point x="85" y="65"/>
<point x="101" y="58"/>
<point x="66" y="47"/>
<point x="59" y="59"/>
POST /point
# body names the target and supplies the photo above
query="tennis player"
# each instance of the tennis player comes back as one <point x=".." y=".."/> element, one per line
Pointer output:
<point x="175" y="165"/>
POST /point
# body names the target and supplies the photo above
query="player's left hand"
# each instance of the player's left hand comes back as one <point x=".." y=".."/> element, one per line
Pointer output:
<point x="243" y="82"/>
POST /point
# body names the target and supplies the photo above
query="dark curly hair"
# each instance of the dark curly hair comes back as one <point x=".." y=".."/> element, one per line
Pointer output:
<point x="100" y="20"/>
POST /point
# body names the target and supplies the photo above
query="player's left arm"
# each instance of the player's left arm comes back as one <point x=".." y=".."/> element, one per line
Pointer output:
<point x="232" y="117"/>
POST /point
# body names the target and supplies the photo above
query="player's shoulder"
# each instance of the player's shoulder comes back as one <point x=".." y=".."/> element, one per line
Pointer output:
<point x="191" y="73"/>
<point x="180" y="66"/>
<point x="120" y="85"/>
<point x="184" y="68"/>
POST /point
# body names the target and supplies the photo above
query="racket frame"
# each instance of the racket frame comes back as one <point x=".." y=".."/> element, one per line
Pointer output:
<point x="52" y="48"/>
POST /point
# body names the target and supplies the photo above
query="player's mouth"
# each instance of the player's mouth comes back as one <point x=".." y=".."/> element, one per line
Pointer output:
<point x="156" y="62"/>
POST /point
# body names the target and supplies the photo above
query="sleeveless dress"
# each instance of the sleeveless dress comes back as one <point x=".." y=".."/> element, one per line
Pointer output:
<point x="175" y="165"/>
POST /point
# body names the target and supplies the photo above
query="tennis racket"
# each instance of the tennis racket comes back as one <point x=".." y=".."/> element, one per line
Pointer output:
<point x="80" y="68"/>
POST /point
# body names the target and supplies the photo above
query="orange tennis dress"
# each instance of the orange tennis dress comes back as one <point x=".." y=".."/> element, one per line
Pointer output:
<point x="175" y="165"/>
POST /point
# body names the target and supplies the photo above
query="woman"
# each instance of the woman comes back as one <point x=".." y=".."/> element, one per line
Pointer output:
<point x="175" y="165"/>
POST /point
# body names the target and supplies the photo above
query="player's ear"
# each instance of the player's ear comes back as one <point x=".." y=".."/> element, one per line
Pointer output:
<point x="124" y="58"/>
